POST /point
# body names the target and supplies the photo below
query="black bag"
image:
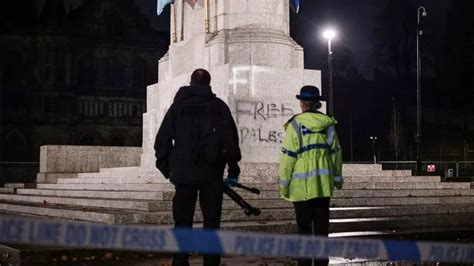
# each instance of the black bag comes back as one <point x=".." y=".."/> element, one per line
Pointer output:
<point x="219" y="143"/>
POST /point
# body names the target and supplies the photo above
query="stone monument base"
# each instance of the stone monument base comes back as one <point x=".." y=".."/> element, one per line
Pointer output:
<point x="372" y="202"/>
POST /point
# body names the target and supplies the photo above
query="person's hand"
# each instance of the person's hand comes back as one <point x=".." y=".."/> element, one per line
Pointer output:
<point x="230" y="181"/>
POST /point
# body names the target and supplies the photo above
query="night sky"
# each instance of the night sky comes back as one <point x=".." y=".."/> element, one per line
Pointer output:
<point x="374" y="59"/>
<point x="354" y="21"/>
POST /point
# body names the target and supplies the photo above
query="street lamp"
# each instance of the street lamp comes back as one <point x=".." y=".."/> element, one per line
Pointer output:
<point x="419" y="32"/>
<point x="374" y="140"/>
<point x="329" y="34"/>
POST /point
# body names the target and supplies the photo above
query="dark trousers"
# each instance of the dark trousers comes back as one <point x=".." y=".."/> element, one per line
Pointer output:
<point x="184" y="203"/>
<point x="312" y="218"/>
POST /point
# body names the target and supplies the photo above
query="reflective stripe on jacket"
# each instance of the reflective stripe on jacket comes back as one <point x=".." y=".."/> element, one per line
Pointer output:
<point x="311" y="158"/>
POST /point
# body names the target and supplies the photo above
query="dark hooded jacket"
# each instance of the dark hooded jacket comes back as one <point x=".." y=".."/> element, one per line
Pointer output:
<point x="184" y="125"/>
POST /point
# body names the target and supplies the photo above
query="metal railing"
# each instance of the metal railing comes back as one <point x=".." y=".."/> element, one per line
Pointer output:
<point x="446" y="169"/>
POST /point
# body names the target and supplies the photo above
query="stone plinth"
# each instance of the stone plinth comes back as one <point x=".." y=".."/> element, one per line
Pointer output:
<point x="261" y="100"/>
<point x="66" y="161"/>
<point x="255" y="66"/>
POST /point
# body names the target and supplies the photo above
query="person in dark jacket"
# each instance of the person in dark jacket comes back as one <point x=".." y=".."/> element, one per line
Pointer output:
<point x="182" y="145"/>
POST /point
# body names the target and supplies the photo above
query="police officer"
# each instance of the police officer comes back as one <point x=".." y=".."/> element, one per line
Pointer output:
<point x="310" y="166"/>
<point x="185" y="148"/>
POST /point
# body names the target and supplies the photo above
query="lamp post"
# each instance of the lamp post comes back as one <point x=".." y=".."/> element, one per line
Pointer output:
<point x="329" y="34"/>
<point x="419" y="32"/>
<point x="374" y="140"/>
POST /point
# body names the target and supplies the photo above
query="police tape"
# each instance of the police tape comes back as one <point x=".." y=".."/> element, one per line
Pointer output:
<point x="74" y="234"/>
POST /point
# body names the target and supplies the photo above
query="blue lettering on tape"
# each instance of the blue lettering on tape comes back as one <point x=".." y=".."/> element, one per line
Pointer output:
<point x="333" y="248"/>
<point x="44" y="232"/>
<point x="265" y="246"/>
<point x="103" y="236"/>
<point x="11" y="230"/>
<point x="469" y="254"/>
<point x="75" y="234"/>
<point x="312" y="248"/>
<point x="292" y="247"/>
<point x="198" y="240"/>
<point x="244" y="244"/>
<point x="362" y="249"/>
<point x="144" y="238"/>
<point x="133" y="237"/>
<point x="402" y="250"/>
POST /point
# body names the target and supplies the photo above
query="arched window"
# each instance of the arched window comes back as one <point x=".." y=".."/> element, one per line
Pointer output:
<point x="113" y="72"/>
<point x="87" y="73"/>
<point x="49" y="64"/>
<point x="14" y="80"/>
<point x="60" y="60"/>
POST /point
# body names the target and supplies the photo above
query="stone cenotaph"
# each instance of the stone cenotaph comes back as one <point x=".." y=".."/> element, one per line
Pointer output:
<point x="256" y="67"/>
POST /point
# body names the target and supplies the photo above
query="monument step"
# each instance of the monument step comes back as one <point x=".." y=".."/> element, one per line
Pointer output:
<point x="120" y="169"/>
<point x="260" y="185"/>
<point x="60" y="211"/>
<point x="381" y="193"/>
<point x="392" y="179"/>
<point x="165" y="205"/>
<point x="90" y="202"/>
<point x="114" y="187"/>
<point x="148" y="180"/>
<point x="262" y="176"/>
<point x="376" y="173"/>
<point x="399" y="217"/>
<point x="7" y="190"/>
<point x="168" y="195"/>
<point x="112" y="180"/>
<point x="271" y="169"/>
<point x="131" y="174"/>
<point x="392" y="224"/>
<point x="139" y="195"/>
<point x="262" y="170"/>
<point x="20" y="185"/>
<point x="403" y="222"/>
<point x="351" y="167"/>
<point x="395" y="201"/>
<point x="264" y="194"/>
<point x="148" y="205"/>
<point x="336" y="213"/>
<point x="364" y="193"/>
<point x="405" y="185"/>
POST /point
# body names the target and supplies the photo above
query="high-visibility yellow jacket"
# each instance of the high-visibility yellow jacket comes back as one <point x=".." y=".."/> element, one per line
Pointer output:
<point x="311" y="158"/>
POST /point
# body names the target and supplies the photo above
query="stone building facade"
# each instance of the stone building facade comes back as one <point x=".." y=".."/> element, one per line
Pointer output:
<point x="74" y="76"/>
